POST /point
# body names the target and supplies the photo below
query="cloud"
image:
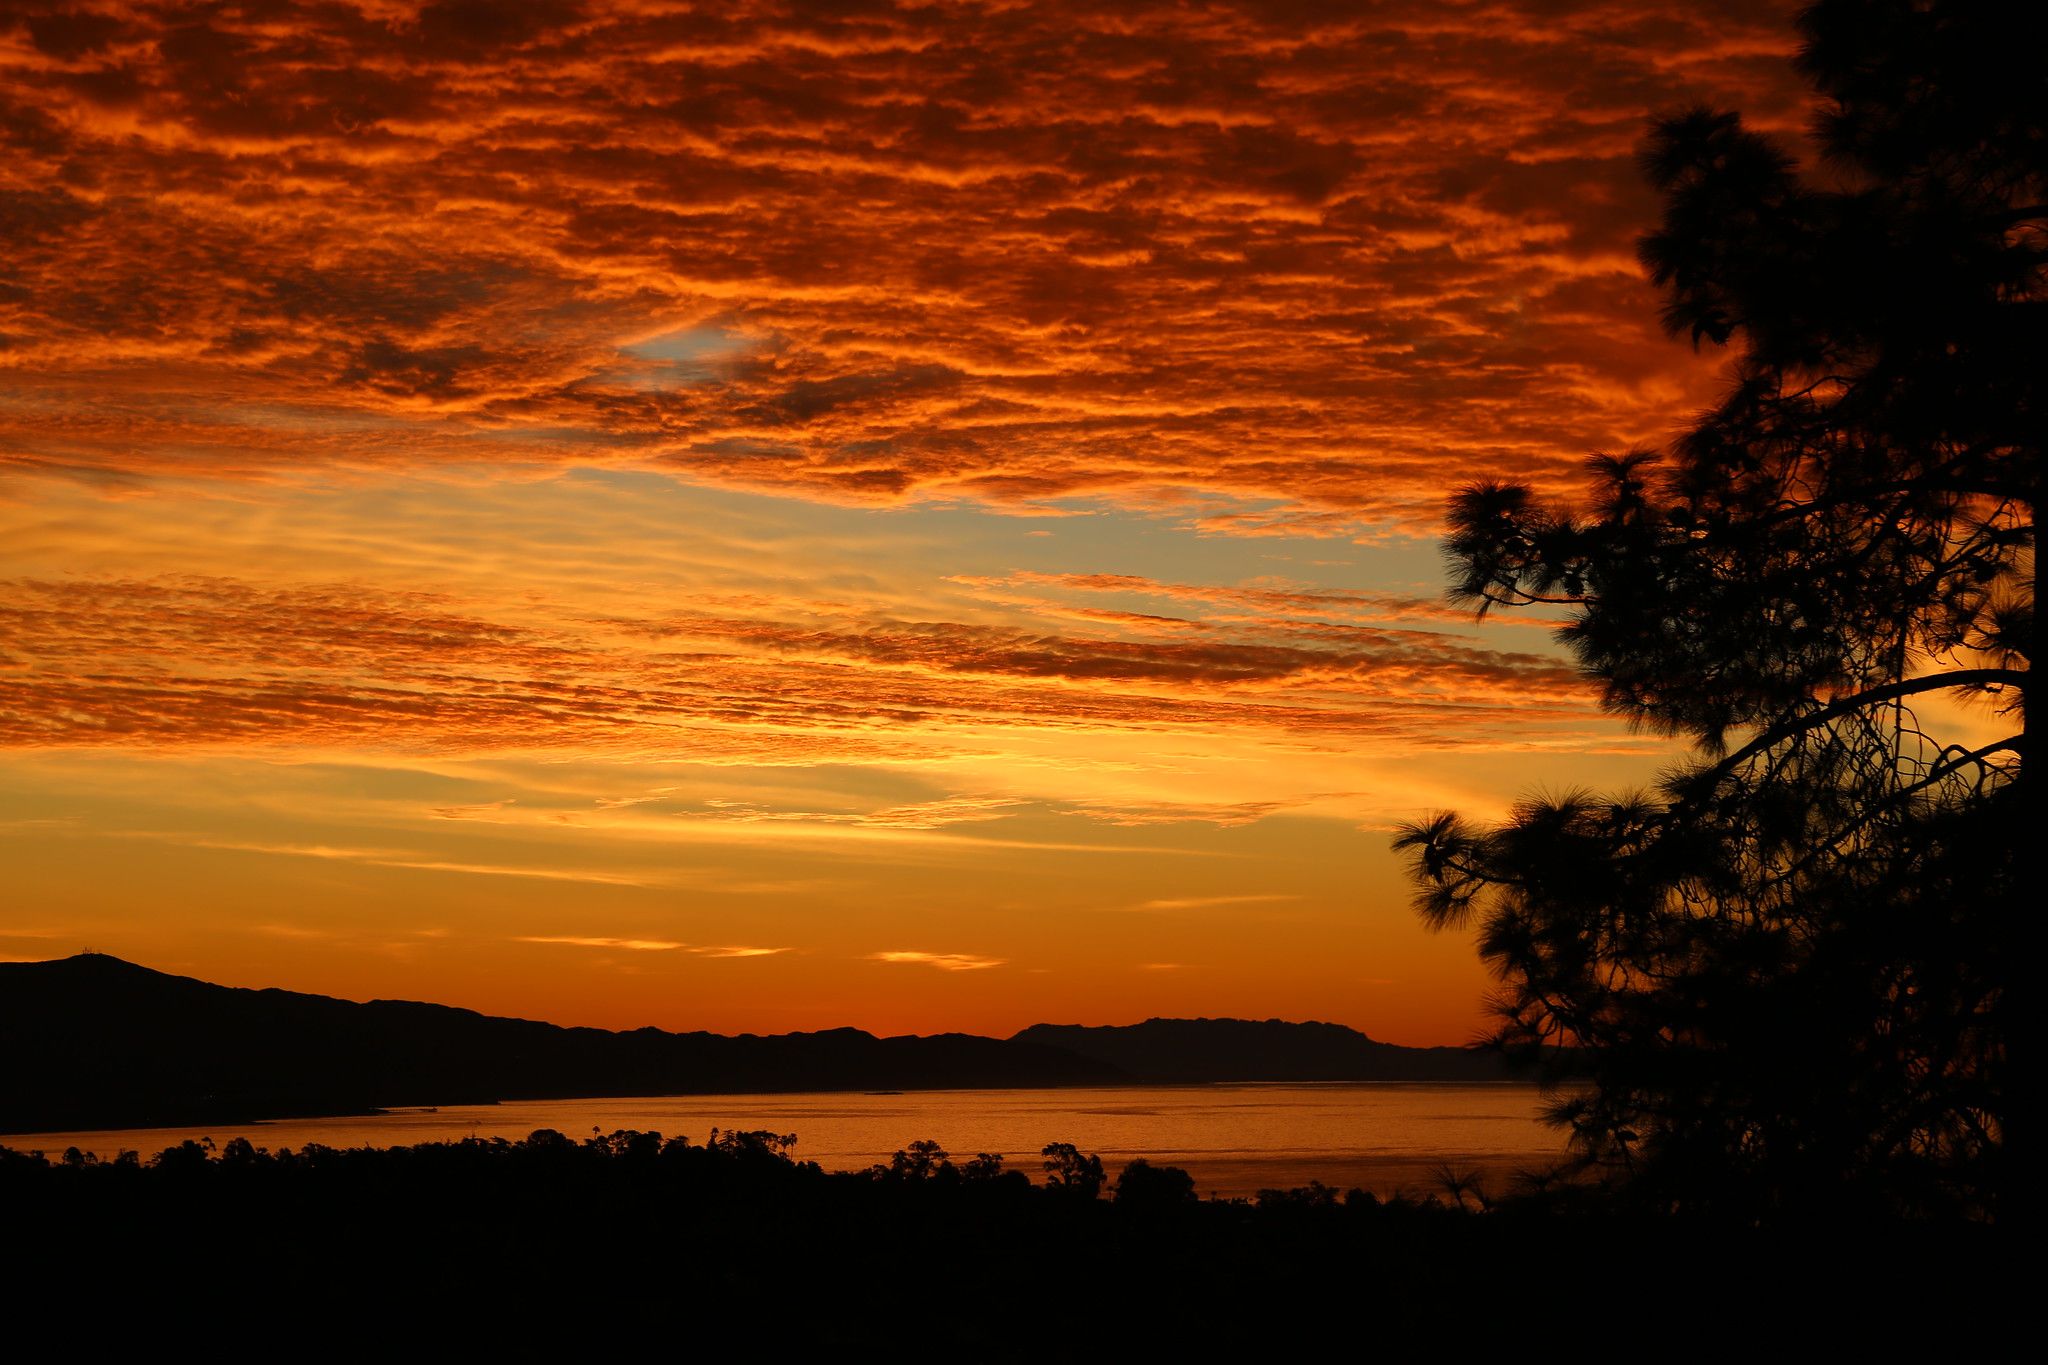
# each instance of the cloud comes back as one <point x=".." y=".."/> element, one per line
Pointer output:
<point x="649" y="945"/>
<point x="1318" y="268"/>
<point x="190" y="660"/>
<point x="1206" y="902"/>
<point x="923" y="815"/>
<point x="637" y="945"/>
<point x="1178" y="812"/>
<point x="384" y="857"/>
<point x="328" y="851"/>
<point x="1274" y="604"/>
<point x="546" y="874"/>
<point x="945" y="962"/>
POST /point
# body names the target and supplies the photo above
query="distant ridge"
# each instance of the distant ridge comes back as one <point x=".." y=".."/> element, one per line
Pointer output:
<point x="1167" y="1051"/>
<point x="95" y="1042"/>
<point x="92" y="1042"/>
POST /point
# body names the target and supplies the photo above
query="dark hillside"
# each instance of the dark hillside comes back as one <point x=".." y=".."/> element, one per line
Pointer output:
<point x="95" y="1042"/>
<point x="1194" y="1050"/>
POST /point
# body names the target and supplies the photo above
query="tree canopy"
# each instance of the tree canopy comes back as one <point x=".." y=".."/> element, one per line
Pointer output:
<point x="1782" y="980"/>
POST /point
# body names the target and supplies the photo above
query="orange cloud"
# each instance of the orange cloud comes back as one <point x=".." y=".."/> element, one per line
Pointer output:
<point x="1207" y="902"/>
<point x="646" y="945"/>
<point x="216" y="661"/>
<point x="638" y="945"/>
<point x="1327" y="262"/>
<point x="945" y="962"/>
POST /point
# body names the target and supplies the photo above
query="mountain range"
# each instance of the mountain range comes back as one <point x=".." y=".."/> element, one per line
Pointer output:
<point x="91" y="1042"/>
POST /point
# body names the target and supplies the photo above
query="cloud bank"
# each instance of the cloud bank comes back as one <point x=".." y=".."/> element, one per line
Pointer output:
<point x="1326" y="259"/>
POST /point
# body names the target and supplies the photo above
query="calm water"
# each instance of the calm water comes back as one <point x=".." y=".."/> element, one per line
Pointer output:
<point x="1235" y="1139"/>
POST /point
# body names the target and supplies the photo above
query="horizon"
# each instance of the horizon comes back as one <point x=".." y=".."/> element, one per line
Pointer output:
<point x="920" y="523"/>
<point x="395" y="1000"/>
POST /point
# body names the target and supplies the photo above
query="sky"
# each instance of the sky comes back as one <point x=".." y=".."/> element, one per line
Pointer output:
<point x="765" y="517"/>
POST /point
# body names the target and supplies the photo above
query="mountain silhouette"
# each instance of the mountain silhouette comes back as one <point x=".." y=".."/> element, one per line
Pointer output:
<point x="1187" y="1051"/>
<point x="95" y="1042"/>
<point x="91" y="1042"/>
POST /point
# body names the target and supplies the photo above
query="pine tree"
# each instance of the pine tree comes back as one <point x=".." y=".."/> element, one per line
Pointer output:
<point x="1784" y="979"/>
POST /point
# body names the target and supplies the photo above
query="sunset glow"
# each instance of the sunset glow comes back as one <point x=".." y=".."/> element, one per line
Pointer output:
<point x="738" y="518"/>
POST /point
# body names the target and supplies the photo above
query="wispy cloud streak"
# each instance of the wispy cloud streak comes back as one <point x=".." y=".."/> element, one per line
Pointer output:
<point x="216" y="661"/>
<point x="945" y="962"/>
<point x="637" y="945"/>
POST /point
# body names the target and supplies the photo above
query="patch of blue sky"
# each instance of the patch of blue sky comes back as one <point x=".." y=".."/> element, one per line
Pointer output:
<point x="700" y="343"/>
<point x="687" y="355"/>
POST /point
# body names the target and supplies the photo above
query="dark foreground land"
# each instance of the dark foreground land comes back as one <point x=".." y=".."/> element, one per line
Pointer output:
<point x="632" y="1244"/>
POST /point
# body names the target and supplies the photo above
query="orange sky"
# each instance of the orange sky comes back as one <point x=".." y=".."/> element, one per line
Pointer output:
<point x="766" y="517"/>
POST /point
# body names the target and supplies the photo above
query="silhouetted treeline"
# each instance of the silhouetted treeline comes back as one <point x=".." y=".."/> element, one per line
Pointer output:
<point x="633" y="1241"/>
